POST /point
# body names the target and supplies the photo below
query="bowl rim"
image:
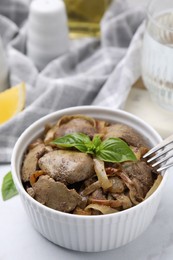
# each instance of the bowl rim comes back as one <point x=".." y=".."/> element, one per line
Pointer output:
<point x="70" y="110"/>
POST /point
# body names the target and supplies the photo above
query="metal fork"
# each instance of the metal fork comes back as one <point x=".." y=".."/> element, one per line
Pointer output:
<point x="161" y="150"/>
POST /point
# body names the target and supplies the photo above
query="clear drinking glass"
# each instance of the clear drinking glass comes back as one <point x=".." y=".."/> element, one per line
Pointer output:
<point x="157" y="52"/>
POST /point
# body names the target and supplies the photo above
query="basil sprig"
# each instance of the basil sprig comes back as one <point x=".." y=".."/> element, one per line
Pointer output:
<point x="109" y="150"/>
<point x="8" y="188"/>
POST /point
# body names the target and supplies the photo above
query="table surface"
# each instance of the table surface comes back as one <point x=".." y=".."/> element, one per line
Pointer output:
<point x="140" y="104"/>
<point x="19" y="240"/>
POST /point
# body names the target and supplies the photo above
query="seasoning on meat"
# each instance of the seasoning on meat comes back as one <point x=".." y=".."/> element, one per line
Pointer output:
<point x="71" y="124"/>
<point x="67" y="166"/>
<point x="55" y="194"/>
<point x="126" y="133"/>
<point x="31" y="161"/>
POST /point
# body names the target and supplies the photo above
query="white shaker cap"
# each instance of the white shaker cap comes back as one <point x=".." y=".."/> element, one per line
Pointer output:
<point x="48" y="35"/>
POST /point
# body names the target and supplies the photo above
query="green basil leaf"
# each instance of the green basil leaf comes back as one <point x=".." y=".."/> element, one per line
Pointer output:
<point x="80" y="141"/>
<point x="84" y="148"/>
<point x="110" y="150"/>
<point x="114" y="150"/>
<point x="96" y="141"/>
<point x="8" y="188"/>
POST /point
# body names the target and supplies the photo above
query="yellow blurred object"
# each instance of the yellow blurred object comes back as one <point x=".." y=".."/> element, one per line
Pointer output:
<point x="12" y="101"/>
<point x="84" y="17"/>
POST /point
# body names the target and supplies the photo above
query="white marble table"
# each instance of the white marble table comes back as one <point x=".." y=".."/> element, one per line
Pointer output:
<point x="19" y="240"/>
<point x="140" y="104"/>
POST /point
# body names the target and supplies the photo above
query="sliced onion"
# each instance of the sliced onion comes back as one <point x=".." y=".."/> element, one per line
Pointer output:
<point x="91" y="188"/>
<point x="124" y="200"/>
<point x="111" y="203"/>
<point x="130" y="186"/>
<point x="35" y="143"/>
<point x="101" y="125"/>
<point x="102" y="208"/>
<point x="139" y="151"/>
<point x="101" y="174"/>
<point x="50" y="134"/>
<point x="155" y="186"/>
<point x="79" y="211"/>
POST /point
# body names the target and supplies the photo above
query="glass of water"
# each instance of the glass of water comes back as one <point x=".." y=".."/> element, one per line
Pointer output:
<point x="157" y="52"/>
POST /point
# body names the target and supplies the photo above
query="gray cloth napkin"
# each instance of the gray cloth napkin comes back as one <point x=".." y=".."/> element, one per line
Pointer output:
<point x="98" y="72"/>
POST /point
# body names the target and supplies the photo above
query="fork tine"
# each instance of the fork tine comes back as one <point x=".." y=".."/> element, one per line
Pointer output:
<point x="164" y="167"/>
<point x="164" y="143"/>
<point x="162" y="160"/>
<point x="159" y="154"/>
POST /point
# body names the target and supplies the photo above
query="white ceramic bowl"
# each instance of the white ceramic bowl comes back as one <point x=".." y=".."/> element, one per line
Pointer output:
<point x="87" y="233"/>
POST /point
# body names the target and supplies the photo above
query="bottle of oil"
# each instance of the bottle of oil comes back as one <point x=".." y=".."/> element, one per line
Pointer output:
<point x="84" y="16"/>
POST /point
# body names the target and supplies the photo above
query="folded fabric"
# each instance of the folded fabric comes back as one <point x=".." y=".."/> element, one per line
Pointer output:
<point x="94" y="71"/>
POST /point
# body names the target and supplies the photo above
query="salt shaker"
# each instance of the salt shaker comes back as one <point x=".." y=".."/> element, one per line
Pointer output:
<point x="3" y="69"/>
<point x="47" y="36"/>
